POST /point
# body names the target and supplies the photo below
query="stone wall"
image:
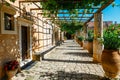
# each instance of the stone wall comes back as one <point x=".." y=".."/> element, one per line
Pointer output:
<point x="9" y="50"/>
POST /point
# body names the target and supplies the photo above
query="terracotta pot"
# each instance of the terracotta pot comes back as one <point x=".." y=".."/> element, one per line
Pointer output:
<point x="81" y="43"/>
<point x="85" y="45"/>
<point x="78" y="42"/>
<point x="90" y="47"/>
<point x="11" y="73"/>
<point x="111" y="63"/>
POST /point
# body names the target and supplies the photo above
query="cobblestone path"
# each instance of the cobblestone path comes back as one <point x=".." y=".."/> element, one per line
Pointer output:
<point x="66" y="62"/>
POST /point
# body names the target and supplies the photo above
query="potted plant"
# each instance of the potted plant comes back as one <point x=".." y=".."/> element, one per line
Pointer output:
<point x="90" y="41"/>
<point x="80" y="40"/>
<point x="110" y="56"/>
<point x="11" y="68"/>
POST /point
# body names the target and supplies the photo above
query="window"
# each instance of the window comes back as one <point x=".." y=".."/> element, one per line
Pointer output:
<point x="8" y="22"/>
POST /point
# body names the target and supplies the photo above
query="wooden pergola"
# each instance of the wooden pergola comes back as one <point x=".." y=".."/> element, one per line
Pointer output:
<point x="64" y="15"/>
<point x="83" y="16"/>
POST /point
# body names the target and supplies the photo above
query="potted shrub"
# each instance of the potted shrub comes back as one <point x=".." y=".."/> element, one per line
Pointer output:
<point x="90" y="41"/>
<point x="11" y="68"/>
<point x="110" y="56"/>
<point x="80" y="40"/>
<point x="90" y="45"/>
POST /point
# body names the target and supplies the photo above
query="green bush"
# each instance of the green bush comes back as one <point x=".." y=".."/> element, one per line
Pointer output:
<point x="90" y="36"/>
<point x="90" y="39"/>
<point x="81" y="38"/>
<point x="71" y="27"/>
<point x="111" y="37"/>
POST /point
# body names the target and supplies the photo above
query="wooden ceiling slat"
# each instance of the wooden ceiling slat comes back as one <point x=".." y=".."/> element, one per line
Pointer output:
<point x="25" y="1"/>
<point x="72" y="17"/>
<point x="60" y="12"/>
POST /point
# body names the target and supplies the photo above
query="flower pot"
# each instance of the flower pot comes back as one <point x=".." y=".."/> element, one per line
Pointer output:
<point x="90" y="47"/>
<point x="111" y="63"/>
<point x="11" y="73"/>
<point x="80" y="43"/>
<point x="85" y="45"/>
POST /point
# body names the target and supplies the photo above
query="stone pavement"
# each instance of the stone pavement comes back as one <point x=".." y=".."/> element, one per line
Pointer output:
<point x="66" y="62"/>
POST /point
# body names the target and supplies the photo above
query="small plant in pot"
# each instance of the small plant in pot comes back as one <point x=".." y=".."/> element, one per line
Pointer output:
<point x="90" y="45"/>
<point x="11" y="68"/>
<point x="90" y="41"/>
<point x="80" y="40"/>
<point x="110" y="56"/>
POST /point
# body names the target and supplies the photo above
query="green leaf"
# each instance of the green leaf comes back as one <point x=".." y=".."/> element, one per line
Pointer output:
<point x="12" y="0"/>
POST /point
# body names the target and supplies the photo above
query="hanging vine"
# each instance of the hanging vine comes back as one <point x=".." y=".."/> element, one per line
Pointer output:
<point x="72" y="6"/>
<point x="71" y="27"/>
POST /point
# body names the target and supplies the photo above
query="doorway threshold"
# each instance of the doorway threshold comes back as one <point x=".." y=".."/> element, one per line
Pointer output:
<point x="25" y="63"/>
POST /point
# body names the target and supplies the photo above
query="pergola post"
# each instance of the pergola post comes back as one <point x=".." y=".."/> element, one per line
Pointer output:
<point x="62" y="36"/>
<point x="77" y="34"/>
<point x="53" y="39"/>
<point x="84" y="33"/>
<point x="98" y="33"/>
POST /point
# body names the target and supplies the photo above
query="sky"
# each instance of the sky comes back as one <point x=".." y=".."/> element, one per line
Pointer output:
<point x="112" y="13"/>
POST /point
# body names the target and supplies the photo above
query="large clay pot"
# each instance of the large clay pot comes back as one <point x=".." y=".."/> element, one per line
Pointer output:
<point x="11" y="73"/>
<point x="80" y="43"/>
<point x="85" y="45"/>
<point x="90" y="47"/>
<point x="111" y="63"/>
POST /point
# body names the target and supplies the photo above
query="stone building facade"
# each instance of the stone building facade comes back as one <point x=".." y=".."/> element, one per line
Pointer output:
<point x="24" y="32"/>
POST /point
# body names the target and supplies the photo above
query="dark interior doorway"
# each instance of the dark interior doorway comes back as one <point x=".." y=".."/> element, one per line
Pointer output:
<point x="69" y="36"/>
<point x="24" y="40"/>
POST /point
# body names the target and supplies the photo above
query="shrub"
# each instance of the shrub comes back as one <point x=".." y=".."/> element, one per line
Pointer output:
<point x="111" y="37"/>
<point x="81" y="38"/>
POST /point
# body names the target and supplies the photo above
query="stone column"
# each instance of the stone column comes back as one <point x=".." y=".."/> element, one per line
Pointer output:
<point x="98" y="33"/>
<point x="53" y="34"/>
<point x="84" y="34"/>
<point x="77" y="34"/>
<point x="59" y="36"/>
<point x="62" y="36"/>
<point x="85" y="31"/>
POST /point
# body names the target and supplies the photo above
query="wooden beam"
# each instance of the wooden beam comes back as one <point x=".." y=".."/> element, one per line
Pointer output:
<point x="99" y="10"/>
<point x="69" y="13"/>
<point x="71" y="17"/>
<point x="104" y="6"/>
<point x="64" y="12"/>
<point x="36" y="5"/>
<point x="36" y="9"/>
<point x="25" y="1"/>
<point x="68" y="19"/>
<point x="75" y="17"/>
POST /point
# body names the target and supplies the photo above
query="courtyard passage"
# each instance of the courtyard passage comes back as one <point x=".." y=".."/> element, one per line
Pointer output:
<point x="68" y="61"/>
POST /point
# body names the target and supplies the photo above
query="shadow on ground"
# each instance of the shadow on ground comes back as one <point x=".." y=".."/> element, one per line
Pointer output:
<point x="73" y="46"/>
<point x="69" y="61"/>
<point x="69" y="49"/>
<point x="82" y="54"/>
<point x="62" y="75"/>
